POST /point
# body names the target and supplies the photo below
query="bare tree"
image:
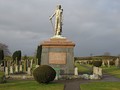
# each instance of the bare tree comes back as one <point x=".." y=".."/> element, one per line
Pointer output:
<point x="107" y="54"/>
<point x="4" y="47"/>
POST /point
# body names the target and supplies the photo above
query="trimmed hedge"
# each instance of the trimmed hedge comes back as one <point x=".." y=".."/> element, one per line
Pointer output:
<point x="97" y="63"/>
<point x="44" y="74"/>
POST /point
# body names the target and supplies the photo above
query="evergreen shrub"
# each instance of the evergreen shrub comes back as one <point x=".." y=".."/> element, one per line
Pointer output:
<point x="97" y="63"/>
<point x="44" y="74"/>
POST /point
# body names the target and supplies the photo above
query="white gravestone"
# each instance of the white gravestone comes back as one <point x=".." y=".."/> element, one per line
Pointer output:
<point x="31" y="63"/>
<point x="20" y="68"/>
<point x="11" y="69"/>
<point x="76" y="71"/>
<point x="29" y="71"/>
<point x="6" y="70"/>
<point x="117" y="62"/>
<point x="36" y="66"/>
<point x="16" y="68"/>
<point x="100" y="72"/>
<point x="108" y="61"/>
<point x="97" y="72"/>
<point x="103" y="63"/>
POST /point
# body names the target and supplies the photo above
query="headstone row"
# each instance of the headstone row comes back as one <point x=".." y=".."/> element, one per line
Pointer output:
<point x="24" y="66"/>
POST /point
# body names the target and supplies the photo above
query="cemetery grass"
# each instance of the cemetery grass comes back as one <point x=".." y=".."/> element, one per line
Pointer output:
<point x="115" y="71"/>
<point x="30" y="85"/>
<point x="88" y="65"/>
<point x="101" y="86"/>
<point x="82" y="69"/>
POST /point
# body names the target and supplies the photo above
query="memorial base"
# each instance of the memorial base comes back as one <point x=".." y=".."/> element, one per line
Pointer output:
<point x="58" y="53"/>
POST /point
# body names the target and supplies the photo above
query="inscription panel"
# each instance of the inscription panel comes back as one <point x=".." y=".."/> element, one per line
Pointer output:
<point x="57" y="57"/>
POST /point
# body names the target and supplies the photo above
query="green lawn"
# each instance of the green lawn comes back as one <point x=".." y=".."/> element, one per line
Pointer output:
<point x="101" y="86"/>
<point x="82" y="69"/>
<point x="112" y="70"/>
<point x="30" y="85"/>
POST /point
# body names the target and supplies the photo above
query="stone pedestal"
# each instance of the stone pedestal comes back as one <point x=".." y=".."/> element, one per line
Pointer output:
<point x="58" y="53"/>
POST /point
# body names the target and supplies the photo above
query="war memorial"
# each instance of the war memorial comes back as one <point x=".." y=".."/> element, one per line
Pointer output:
<point x="58" y="51"/>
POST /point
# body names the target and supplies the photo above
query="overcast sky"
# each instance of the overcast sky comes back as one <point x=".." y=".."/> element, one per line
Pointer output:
<point x="93" y="25"/>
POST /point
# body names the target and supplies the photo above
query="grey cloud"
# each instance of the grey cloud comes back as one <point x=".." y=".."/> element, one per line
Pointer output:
<point x="92" y="24"/>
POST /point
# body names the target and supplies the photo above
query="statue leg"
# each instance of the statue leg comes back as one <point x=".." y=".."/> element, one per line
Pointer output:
<point x="59" y="27"/>
<point x="56" y="26"/>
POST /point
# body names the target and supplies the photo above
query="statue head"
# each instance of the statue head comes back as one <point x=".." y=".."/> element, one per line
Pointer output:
<point x="58" y="6"/>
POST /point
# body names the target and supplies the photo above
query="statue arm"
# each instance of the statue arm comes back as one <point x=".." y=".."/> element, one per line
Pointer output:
<point x="52" y="16"/>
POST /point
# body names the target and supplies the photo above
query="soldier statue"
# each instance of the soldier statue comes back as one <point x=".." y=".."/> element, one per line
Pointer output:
<point x="58" y="20"/>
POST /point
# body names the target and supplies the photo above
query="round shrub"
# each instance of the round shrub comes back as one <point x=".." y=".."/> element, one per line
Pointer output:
<point x="97" y="63"/>
<point x="44" y="74"/>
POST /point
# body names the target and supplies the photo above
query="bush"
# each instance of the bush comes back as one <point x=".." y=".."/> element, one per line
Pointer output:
<point x="97" y="63"/>
<point x="90" y="62"/>
<point x="2" y="77"/>
<point x="112" y="63"/>
<point x="44" y="74"/>
<point x="17" y="55"/>
<point x="1" y="55"/>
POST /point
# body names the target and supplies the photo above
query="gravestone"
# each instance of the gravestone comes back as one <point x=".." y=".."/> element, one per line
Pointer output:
<point x="108" y="62"/>
<point x="97" y="72"/>
<point x="11" y="69"/>
<point x="6" y="70"/>
<point x="31" y="63"/>
<point x="76" y="71"/>
<point x="20" y="68"/>
<point x="103" y="63"/>
<point x="37" y="66"/>
<point x="25" y="65"/>
<point x="117" y="62"/>
<point x="100" y="72"/>
<point x="29" y="71"/>
<point x="16" y="68"/>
